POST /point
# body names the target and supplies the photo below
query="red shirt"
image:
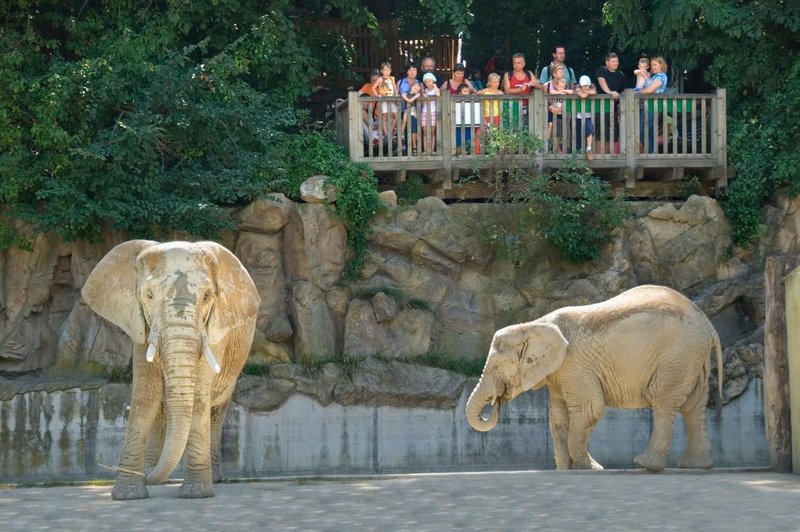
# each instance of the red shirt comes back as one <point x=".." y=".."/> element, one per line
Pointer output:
<point x="516" y="83"/>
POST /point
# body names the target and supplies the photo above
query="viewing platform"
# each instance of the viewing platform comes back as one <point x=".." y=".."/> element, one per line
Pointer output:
<point x="643" y="144"/>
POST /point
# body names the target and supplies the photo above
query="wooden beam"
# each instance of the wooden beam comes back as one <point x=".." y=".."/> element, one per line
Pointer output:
<point x="446" y="131"/>
<point x="354" y="124"/>
<point x="777" y="414"/>
<point x="630" y="143"/>
<point x="793" y="354"/>
<point x="722" y="137"/>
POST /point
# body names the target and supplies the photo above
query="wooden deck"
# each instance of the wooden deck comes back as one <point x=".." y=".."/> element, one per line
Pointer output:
<point x="688" y="137"/>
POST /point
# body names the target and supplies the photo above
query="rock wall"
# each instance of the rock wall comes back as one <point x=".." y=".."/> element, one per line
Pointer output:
<point x="429" y="286"/>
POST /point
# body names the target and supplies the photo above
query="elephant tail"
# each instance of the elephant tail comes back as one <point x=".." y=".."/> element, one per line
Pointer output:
<point x="718" y="349"/>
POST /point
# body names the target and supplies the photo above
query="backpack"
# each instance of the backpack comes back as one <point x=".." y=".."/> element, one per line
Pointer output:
<point x="546" y="73"/>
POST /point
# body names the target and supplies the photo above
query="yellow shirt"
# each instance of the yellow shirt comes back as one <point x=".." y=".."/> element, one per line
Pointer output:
<point x="491" y="108"/>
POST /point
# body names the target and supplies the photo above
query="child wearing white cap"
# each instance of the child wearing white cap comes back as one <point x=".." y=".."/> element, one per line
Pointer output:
<point x="428" y="118"/>
<point x="583" y="118"/>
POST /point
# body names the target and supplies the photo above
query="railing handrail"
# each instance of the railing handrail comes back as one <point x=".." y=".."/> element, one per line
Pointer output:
<point x="686" y="127"/>
<point x="531" y="96"/>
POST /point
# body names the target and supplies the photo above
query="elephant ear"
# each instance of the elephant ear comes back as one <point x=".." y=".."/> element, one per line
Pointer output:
<point x="541" y="353"/>
<point x="110" y="290"/>
<point x="237" y="298"/>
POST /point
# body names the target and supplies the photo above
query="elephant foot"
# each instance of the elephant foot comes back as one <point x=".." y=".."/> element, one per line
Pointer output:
<point x="690" y="461"/>
<point x="651" y="461"/>
<point x="129" y="489"/>
<point x="191" y="489"/>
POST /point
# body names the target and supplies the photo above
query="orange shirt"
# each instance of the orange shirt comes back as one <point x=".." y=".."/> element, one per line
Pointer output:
<point x="366" y="89"/>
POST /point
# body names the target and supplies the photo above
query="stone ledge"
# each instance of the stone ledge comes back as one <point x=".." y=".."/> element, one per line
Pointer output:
<point x="11" y="386"/>
<point x="373" y="383"/>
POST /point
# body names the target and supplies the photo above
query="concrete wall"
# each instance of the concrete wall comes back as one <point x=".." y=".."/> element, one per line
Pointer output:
<point x="73" y="434"/>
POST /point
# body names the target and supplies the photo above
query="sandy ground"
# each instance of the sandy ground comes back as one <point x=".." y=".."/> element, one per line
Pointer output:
<point x="527" y="500"/>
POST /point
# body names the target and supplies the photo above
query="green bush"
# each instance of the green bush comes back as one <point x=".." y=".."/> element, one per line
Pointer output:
<point x="579" y="219"/>
<point x="357" y="204"/>
<point x="763" y="143"/>
<point x="505" y="229"/>
<point x="689" y="185"/>
<point x="572" y="210"/>
<point x="411" y="190"/>
<point x="315" y="152"/>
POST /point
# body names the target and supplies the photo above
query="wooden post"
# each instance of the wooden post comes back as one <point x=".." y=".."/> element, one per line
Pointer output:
<point x="628" y="137"/>
<point x="354" y="126"/>
<point x="722" y="138"/>
<point x="537" y="120"/>
<point x="793" y="354"/>
<point x="777" y="422"/>
<point x="447" y="130"/>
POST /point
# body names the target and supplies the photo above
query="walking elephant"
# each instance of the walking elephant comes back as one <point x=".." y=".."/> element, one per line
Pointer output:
<point x="647" y="347"/>
<point x="190" y="310"/>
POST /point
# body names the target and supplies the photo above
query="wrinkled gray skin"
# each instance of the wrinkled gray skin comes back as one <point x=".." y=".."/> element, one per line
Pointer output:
<point x="190" y="310"/>
<point x="645" y="348"/>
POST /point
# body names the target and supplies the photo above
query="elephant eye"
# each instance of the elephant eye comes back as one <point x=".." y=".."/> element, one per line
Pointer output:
<point x="207" y="296"/>
<point x="148" y="294"/>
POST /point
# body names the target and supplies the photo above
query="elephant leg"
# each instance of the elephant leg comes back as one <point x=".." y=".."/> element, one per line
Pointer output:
<point x="155" y="442"/>
<point x="698" y="451"/>
<point x="583" y="417"/>
<point x="559" y="425"/>
<point x="669" y="390"/>
<point x="197" y="481"/>
<point x="147" y="390"/>
<point x="654" y="458"/>
<point x="217" y="419"/>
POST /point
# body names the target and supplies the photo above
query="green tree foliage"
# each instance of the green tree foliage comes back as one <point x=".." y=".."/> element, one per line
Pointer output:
<point x="147" y="116"/>
<point x="431" y="18"/>
<point x="154" y="117"/>
<point x="534" y="29"/>
<point x="750" y="47"/>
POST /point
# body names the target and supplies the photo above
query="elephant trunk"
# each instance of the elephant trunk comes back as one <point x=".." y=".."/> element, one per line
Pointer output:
<point x="180" y="350"/>
<point x="484" y="393"/>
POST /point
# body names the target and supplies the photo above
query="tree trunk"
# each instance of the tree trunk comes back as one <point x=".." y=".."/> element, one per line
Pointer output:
<point x="777" y="417"/>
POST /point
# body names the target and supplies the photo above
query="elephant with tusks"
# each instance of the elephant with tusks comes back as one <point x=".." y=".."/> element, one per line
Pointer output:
<point x="645" y="348"/>
<point x="190" y="311"/>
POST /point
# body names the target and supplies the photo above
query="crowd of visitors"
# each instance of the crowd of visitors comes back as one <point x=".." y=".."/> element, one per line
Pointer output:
<point x="555" y="80"/>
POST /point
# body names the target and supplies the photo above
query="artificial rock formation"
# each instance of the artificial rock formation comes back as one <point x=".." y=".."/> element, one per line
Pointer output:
<point x="429" y="285"/>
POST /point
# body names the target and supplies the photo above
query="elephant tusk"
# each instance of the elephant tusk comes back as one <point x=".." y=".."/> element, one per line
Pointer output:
<point x="494" y="400"/>
<point x="151" y="352"/>
<point x="210" y="357"/>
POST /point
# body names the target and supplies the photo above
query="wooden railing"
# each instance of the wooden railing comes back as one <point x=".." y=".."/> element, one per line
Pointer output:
<point x="631" y="134"/>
